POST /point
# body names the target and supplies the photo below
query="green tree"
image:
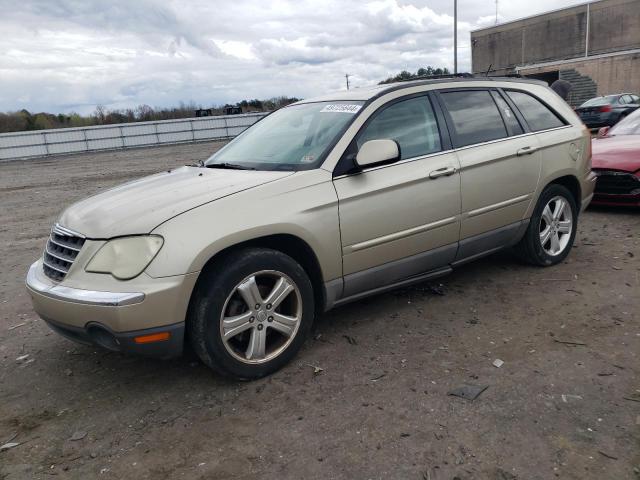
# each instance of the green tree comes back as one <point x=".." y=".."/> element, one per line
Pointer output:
<point x="420" y="73"/>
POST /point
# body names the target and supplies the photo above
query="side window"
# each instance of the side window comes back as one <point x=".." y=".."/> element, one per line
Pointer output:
<point x="513" y="125"/>
<point x="411" y="123"/>
<point x="535" y="113"/>
<point x="475" y="116"/>
<point x="635" y="99"/>
<point x="627" y="99"/>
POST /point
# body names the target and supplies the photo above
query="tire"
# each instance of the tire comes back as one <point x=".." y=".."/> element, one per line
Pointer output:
<point x="531" y="247"/>
<point x="245" y="341"/>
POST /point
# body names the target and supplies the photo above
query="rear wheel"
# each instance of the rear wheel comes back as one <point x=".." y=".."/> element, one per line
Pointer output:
<point x="552" y="228"/>
<point x="251" y="313"/>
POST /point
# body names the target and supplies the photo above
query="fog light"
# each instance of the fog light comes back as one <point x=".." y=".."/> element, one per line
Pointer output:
<point x="103" y="338"/>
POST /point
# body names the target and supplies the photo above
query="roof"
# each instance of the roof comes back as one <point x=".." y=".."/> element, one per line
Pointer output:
<point x="369" y="93"/>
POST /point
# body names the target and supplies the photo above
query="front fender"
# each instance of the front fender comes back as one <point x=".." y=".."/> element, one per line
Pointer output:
<point x="304" y="205"/>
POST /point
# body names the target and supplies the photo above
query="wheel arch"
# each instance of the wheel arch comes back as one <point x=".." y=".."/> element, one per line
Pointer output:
<point x="286" y="243"/>
<point x="571" y="183"/>
<point x="568" y="180"/>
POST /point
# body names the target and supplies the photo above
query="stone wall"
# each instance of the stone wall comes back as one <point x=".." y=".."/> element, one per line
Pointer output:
<point x="614" y="25"/>
<point x="596" y="76"/>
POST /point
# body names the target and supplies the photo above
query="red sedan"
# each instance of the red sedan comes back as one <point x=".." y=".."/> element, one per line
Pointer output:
<point x="616" y="162"/>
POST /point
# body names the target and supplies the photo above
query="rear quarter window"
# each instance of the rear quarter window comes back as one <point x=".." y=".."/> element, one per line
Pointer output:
<point x="537" y="115"/>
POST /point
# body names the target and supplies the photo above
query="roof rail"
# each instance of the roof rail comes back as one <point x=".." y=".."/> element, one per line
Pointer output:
<point x="455" y="75"/>
<point x="503" y="75"/>
<point x="432" y="77"/>
<point x="447" y="75"/>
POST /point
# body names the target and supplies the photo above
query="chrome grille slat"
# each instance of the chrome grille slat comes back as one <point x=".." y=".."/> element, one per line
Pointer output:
<point x="59" y="255"/>
<point x="61" y="251"/>
<point x="56" y="268"/>
<point x="63" y="245"/>
<point x="65" y="232"/>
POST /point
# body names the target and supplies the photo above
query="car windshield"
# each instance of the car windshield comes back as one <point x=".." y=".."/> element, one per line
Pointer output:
<point x="627" y="126"/>
<point x="597" y="102"/>
<point x="294" y="138"/>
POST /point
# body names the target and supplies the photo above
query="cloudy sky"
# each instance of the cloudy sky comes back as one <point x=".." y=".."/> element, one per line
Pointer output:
<point x="71" y="55"/>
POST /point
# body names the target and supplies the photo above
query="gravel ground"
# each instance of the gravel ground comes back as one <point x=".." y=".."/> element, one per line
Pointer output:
<point x="379" y="408"/>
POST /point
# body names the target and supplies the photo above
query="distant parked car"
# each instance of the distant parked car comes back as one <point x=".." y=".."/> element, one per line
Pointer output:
<point x="616" y="162"/>
<point x="204" y="112"/>
<point x="231" y="110"/>
<point x="608" y="110"/>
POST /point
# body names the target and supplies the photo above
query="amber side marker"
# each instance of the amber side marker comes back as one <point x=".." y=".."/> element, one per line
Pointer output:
<point x="154" y="337"/>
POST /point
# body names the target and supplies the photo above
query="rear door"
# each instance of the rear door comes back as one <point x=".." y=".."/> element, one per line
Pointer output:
<point x="558" y="140"/>
<point x="500" y="166"/>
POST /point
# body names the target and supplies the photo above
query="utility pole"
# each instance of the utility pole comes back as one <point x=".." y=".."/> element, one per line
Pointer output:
<point x="346" y="75"/>
<point x="496" y="12"/>
<point x="455" y="37"/>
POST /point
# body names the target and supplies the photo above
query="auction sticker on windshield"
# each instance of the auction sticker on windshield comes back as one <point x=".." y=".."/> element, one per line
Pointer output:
<point x="340" y="108"/>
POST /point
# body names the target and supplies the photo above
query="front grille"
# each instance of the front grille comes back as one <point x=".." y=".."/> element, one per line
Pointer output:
<point x="612" y="182"/>
<point x="61" y="250"/>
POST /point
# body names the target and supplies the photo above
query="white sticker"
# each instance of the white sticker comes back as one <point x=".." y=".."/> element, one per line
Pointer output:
<point x="340" y="108"/>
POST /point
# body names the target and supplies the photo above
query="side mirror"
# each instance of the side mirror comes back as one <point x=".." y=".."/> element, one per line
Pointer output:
<point x="375" y="152"/>
<point x="603" y="132"/>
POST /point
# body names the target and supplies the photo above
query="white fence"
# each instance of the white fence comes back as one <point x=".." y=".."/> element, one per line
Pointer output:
<point x="42" y="143"/>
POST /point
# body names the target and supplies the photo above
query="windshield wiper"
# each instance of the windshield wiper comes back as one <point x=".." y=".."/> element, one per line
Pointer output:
<point x="229" y="166"/>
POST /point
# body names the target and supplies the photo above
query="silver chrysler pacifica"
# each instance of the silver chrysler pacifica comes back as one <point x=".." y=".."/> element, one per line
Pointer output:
<point x="320" y="203"/>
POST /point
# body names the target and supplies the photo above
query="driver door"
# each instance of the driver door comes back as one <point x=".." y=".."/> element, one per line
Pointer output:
<point x="402" y="219"/>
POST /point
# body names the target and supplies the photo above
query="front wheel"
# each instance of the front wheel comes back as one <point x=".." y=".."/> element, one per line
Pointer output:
<point x="552" y="228"/>
<point x="251" y="313"/>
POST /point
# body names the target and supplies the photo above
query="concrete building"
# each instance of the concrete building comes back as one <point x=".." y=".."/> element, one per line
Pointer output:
<point x="595" y="46"/>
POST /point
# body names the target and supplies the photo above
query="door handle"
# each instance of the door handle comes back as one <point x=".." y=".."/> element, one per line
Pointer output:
<point x="526" y="151"/>
<point x="442" y="172"/>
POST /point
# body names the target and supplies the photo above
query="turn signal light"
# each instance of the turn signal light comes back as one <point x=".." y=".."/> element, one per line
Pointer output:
<point x="153" y="337"/>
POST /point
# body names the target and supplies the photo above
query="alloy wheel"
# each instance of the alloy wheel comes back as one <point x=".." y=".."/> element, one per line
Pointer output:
<point x="261" y="316"/>
<point x="556" y="226"/>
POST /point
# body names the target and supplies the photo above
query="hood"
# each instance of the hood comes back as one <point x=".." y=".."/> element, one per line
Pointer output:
<point x="138" y="207"/>
<point x="618" y="152"/>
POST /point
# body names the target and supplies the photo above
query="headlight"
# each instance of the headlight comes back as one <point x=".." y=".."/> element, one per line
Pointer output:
<point x="126" y="257"/>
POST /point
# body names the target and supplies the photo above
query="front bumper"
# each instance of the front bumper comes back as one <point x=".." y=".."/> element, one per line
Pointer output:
<point x="114" y="319"/>
<point x="597" y="120"/>
<point x="612" y="200"/>
<point x="97" y="334"/>
<point x="598" y="123"/>
<point x="617" y="188"/>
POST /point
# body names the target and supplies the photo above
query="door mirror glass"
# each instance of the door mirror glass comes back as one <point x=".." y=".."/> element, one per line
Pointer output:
<point x="603" y="132"/>
<point x="375" y="152"/>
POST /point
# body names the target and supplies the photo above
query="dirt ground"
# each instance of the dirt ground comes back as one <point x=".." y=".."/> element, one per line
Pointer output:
<point x="379" y="409"/>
